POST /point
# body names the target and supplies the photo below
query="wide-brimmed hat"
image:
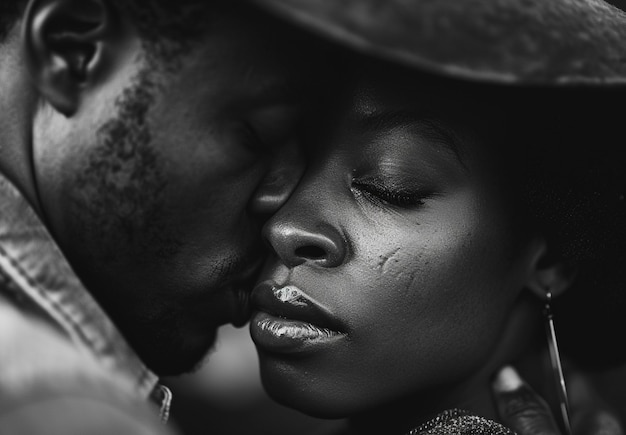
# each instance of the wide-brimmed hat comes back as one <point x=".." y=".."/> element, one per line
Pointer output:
<point x="535" y="42"/>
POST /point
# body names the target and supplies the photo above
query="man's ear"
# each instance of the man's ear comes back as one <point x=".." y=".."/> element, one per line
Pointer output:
<point x="65" y="43"/>
<point x="548" y="273"/>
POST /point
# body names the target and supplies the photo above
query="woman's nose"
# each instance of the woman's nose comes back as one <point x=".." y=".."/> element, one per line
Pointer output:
<point x="295" y="242"/>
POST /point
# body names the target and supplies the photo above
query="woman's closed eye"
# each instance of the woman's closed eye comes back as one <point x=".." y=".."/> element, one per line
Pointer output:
<point x="381" y="193"/>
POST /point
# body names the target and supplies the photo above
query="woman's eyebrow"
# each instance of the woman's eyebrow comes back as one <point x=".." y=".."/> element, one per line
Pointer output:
<point x="426" y="124"/>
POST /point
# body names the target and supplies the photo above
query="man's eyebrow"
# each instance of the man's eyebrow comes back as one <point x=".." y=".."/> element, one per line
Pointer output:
<point x="427" y="124"/>
<point x="277" y="93"/>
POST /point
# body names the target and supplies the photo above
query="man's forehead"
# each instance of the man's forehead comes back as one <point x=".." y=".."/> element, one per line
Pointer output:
<point x="246" y="72"/>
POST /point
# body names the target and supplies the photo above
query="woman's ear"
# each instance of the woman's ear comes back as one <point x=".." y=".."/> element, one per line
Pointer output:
<point x="66" y="45"/>
<point x="548" y="273"/>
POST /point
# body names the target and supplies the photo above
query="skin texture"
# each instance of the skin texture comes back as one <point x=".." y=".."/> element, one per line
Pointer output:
<point x="429" y="287"/>
<point x="153" y="174"/>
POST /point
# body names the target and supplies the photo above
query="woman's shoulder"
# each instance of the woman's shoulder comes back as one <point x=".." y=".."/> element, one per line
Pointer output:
<point x="460" y="422"/>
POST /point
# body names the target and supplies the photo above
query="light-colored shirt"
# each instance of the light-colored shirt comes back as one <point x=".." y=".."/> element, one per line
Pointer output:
<point x="40" y="293"/>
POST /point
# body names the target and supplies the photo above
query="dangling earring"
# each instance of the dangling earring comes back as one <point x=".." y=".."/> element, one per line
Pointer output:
<point x="555" y="358"/>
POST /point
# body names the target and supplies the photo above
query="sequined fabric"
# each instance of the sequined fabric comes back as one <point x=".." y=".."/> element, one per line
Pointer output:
<point x="459" y="422"/>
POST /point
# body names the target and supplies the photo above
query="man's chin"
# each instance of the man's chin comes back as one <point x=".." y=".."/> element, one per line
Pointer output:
<point x="176" y="354"/>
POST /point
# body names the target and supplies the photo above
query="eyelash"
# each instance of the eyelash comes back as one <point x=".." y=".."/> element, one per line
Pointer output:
<point x="382" y="194"/>
<point x="252" y="138"/>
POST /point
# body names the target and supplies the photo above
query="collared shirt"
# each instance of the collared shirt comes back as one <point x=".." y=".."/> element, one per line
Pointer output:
<point x="33" y="270"/>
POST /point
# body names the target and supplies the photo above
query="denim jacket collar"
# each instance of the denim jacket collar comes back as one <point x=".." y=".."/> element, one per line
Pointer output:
<point x="40" y="273"/>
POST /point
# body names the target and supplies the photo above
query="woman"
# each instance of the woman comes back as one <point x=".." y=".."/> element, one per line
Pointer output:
<point x="434" y="223"/>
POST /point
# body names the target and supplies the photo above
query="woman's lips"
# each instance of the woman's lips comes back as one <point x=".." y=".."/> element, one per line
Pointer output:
<point x="293" y="329"/>
<point x="288" y="320"/>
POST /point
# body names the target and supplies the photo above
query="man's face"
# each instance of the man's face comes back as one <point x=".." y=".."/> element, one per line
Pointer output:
<point x="148" y="187"/>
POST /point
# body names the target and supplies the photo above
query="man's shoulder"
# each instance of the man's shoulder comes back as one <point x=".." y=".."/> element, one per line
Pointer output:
<point x="38" y="279"/>
<point x="48" y="385"/>
<point x="33" y="351"/>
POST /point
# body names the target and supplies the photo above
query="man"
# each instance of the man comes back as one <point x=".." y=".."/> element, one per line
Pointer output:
<point x="140" y="144"/>
<point x="139" y="141"/>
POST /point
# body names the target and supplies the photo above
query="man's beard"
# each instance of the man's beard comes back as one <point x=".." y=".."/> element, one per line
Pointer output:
<point x="118" y="217"/>
<point x="118" y="196"/>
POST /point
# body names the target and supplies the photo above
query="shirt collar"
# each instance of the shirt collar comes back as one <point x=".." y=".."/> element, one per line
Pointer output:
<point x="40" y="272"/>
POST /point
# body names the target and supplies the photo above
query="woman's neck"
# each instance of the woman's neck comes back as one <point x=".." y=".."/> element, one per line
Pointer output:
<point x="473" y="395"/>
<point x="407" y="413"/>
<point x="521" y="342"/>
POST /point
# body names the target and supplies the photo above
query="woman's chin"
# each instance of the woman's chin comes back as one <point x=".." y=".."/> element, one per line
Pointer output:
<point x="318" y="397"/>
<point x="312" y="405"/>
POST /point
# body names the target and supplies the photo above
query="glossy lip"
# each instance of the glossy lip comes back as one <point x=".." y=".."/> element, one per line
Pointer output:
<point x="290" y="321"/>
<point x="290" y="302"/>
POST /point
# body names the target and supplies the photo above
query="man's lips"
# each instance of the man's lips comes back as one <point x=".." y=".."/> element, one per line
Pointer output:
<point x="242" y="289"/>
<point x="291" y="303"/>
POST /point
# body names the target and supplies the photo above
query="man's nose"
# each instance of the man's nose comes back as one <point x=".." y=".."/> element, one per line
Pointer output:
<point x="298" y="239"/>
<point x="279" y="182"/>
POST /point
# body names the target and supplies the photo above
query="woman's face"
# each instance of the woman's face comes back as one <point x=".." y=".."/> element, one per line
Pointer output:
<point x="395" y="270"/>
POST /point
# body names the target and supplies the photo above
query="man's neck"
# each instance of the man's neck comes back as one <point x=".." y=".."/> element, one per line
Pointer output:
<point x="16" y="112"/>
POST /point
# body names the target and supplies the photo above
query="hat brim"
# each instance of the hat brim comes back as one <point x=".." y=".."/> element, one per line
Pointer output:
<point x="530" y="42"/>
